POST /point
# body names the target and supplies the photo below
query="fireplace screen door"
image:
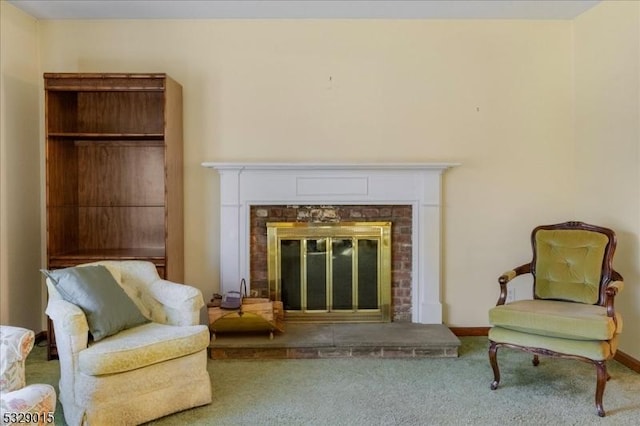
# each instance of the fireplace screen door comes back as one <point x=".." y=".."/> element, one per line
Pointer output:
<point x="337" y="272"/>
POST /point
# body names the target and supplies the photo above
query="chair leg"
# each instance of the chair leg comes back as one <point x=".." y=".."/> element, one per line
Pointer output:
<point x="493" y="359"/>
<point x="603" y="376"/>
<point x="535" y="361"/>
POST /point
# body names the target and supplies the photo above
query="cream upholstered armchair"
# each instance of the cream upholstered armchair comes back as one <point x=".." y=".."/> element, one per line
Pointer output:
<point x="572" y="314"/>
<point x="126" y="360"/>
<point x="19" y="402"/>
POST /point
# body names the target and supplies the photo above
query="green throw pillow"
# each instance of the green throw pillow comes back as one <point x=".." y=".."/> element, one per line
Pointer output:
<point x="106" y="305"/>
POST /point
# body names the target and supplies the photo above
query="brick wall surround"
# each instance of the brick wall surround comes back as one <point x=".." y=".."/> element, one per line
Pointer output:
<point x="401" y="253"/>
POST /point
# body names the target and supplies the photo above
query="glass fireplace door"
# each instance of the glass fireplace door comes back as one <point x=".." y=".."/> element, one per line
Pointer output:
<point x="331" y="272"/>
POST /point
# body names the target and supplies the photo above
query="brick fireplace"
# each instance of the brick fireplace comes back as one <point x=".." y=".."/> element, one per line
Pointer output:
<point x="408" y="195"/>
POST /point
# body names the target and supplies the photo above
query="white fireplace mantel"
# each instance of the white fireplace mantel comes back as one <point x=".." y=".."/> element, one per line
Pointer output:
<point x="243" y="185"/>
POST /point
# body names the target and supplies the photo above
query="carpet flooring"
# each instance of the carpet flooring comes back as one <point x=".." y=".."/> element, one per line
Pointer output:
<point x="366" y="391"/>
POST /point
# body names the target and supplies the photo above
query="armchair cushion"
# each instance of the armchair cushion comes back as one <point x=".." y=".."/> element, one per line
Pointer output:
<point x="569" y="264"/>
<point x="591" y="349"/>
<point x="557" y="319"/>
<point x="142" y="346"/>
<point x="106" y="305"/>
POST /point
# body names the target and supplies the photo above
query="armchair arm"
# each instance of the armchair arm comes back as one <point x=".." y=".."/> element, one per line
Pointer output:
<point x="504" y="279"/>
<point x="15" y="345"/>
<point x="36" y="398"/>
<point x="160" y="300"/>
<point x="610" y="293"/>
<point x="181" y="302"/>
<point x="70" y="325"/>
<point x="615" y="287"/>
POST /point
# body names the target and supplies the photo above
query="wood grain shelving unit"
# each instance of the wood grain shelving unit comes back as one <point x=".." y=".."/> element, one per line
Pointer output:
<point x="114" y="171"/>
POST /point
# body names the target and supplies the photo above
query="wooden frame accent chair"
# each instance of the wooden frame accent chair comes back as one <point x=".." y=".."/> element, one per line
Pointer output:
<point x="572" y="313"/>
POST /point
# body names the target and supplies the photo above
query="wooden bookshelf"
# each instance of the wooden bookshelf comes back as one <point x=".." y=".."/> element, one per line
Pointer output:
<point x="114" y="171"/>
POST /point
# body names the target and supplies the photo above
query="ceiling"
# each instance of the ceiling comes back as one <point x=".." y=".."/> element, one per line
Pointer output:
<point x="304" y="9"/>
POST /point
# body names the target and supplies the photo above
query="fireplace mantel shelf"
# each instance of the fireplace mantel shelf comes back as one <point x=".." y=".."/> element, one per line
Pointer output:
<point x="329" y="166"/>
<point x="243" y="185"/>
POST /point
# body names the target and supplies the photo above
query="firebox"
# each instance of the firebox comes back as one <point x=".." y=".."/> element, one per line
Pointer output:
<point x="331" y="272"/>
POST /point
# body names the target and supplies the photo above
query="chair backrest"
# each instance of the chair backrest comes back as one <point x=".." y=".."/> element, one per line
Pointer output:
<point x="572" y="261"/>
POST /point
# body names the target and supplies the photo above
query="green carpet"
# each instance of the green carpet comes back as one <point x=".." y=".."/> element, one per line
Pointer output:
<point x="448" y="391"/>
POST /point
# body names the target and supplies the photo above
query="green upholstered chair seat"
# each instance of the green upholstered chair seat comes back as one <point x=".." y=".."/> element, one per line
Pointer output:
<point x="554" y="318"/>
<point x="593" y="349"/>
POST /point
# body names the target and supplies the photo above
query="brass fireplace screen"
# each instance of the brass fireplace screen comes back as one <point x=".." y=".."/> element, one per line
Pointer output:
<point x="331" y="272"/>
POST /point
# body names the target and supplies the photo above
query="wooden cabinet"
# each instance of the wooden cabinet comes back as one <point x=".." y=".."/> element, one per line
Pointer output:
<point x="114" y="170"/>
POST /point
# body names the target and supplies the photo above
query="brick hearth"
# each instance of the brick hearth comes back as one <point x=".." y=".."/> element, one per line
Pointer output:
<point x="388" y="340"/>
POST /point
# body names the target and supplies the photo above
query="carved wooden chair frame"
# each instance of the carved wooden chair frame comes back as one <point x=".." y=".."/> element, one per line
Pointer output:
<point x="605" y="298"/>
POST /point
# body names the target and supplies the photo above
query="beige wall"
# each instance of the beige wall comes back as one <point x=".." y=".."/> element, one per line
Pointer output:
<point x="496" y="96"/>
<point x="607" y="157"/>
<point x="20" y="164"/>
